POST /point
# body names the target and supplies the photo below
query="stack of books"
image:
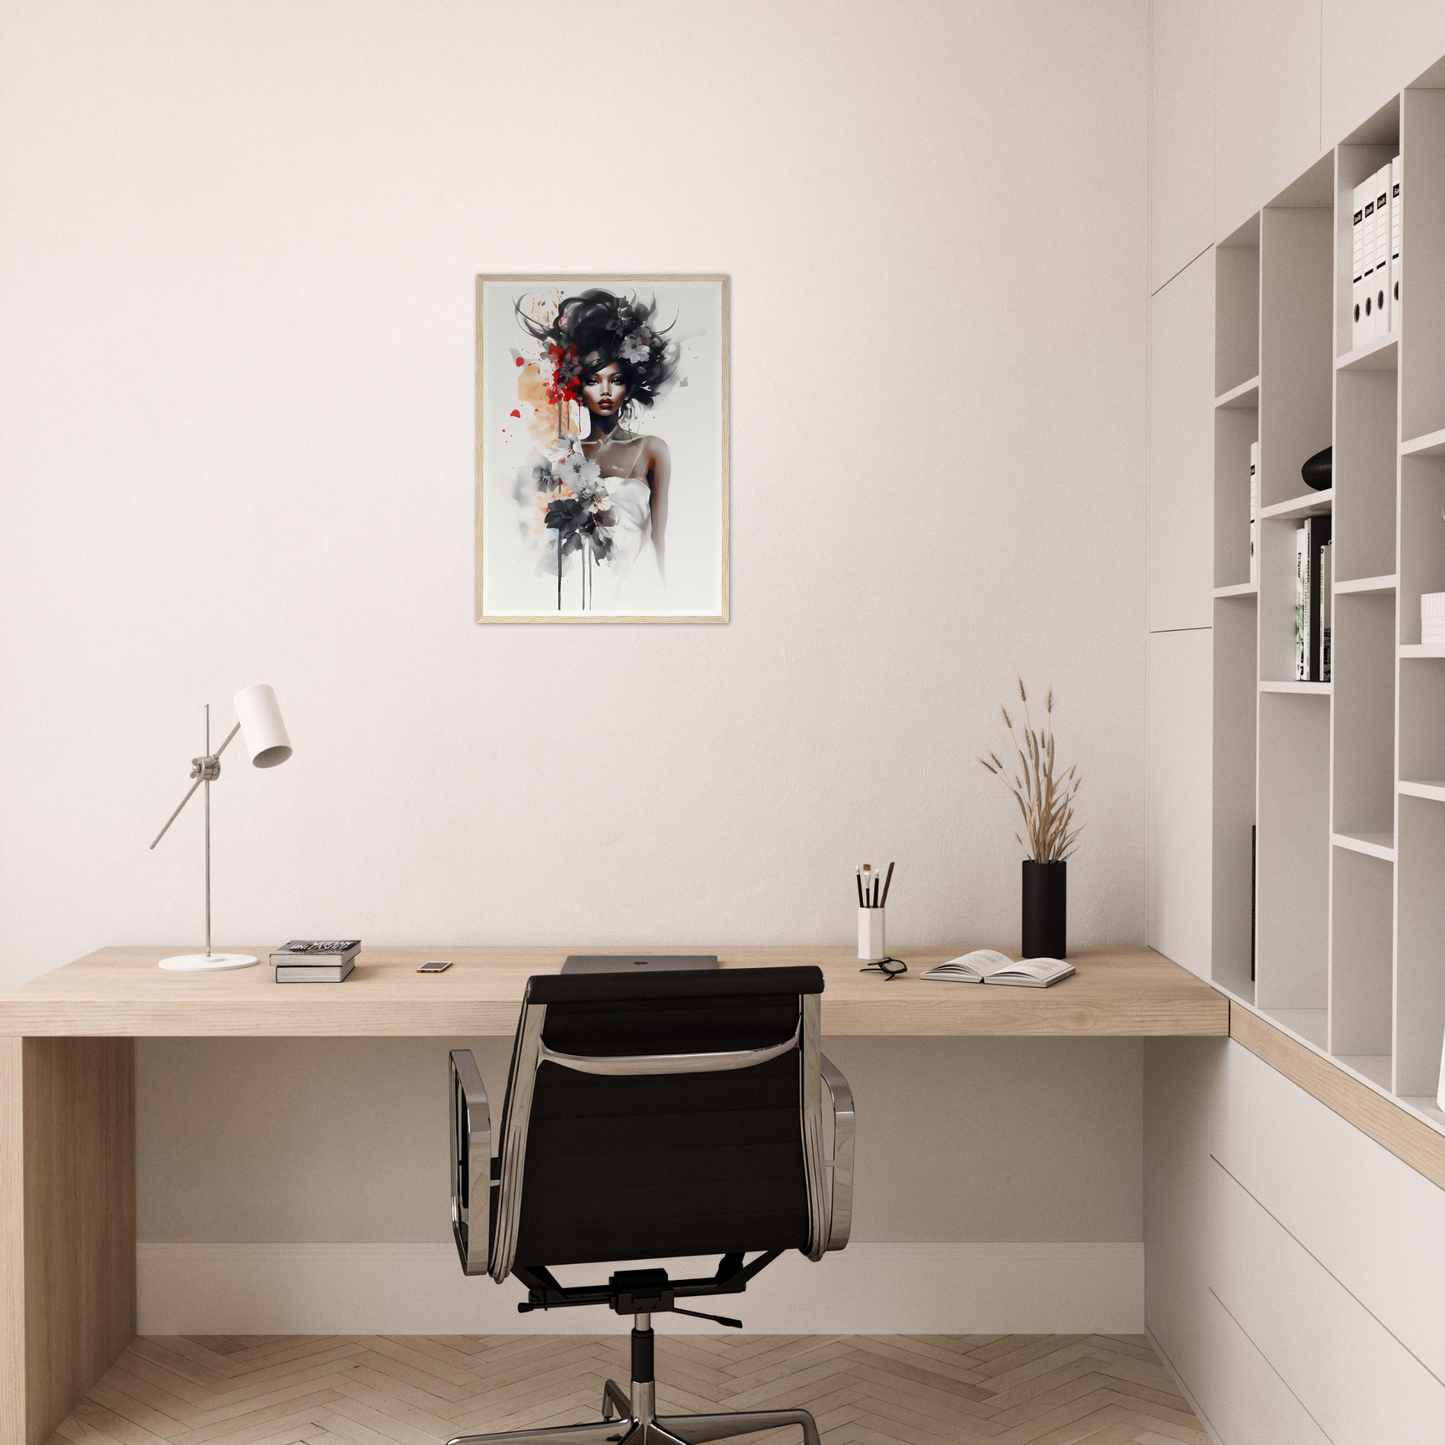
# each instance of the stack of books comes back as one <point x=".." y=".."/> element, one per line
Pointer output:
<point x="315" y="960"/>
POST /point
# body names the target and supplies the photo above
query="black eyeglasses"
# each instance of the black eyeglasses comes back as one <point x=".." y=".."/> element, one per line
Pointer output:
<point x="890" y="968"/>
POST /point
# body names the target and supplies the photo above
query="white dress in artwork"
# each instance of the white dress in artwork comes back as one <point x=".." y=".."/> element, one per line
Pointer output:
<point x="629" y="577"/>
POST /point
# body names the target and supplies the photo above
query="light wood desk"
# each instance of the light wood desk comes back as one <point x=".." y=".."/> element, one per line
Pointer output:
<point x="67" y="1090"/>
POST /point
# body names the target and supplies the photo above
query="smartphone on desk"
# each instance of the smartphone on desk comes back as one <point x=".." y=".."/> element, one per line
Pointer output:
<point x="435" y="965"/>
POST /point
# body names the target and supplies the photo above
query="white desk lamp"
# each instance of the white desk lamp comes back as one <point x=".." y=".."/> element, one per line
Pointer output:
<point x="258" y="720"/>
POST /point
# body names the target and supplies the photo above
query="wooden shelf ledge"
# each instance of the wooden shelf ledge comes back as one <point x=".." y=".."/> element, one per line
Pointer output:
<point x="1390" y="1120"/>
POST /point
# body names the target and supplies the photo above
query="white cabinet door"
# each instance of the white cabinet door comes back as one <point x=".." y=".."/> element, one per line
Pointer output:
<point x="1266" y="103"/>
<point x="1178" y="902"/>
<point x="1181" y="450"/>
<point x="1370" y="52"/>
<point x="1181" y="134"/>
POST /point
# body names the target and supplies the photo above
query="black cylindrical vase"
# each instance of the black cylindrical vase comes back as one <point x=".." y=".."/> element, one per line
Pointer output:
<point x="1046" y="909"/>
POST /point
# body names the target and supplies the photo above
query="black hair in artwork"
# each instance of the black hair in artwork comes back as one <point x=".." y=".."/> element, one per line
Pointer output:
<point x="597" y="327"/>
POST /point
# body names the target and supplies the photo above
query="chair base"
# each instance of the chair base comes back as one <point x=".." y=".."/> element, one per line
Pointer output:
<point x="640" y="1427"/>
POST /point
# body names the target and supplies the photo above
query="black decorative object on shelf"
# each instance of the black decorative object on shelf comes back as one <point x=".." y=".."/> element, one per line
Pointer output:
<point x="1046" y="909"/>
<point x="1319" y="471"/>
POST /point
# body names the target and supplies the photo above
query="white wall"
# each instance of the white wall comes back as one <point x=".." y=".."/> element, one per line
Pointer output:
<point x="236" y="367"/>
<point x="237" y="254"/>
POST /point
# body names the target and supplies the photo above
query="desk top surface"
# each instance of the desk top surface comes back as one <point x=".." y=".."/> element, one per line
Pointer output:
<point x="119" y="992"/>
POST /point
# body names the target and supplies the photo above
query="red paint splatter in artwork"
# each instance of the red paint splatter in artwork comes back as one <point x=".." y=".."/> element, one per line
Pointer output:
<point x="516" y="413"/>
<point x="521" y="361"/>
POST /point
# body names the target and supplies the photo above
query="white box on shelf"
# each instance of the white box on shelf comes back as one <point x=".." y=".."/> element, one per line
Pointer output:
<point x="1432" y="617"/>
<point x="1357" y="266"/>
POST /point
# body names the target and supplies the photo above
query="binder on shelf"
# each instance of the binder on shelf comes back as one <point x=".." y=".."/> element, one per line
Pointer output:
<point x="1357" y="268"/>
<point x="1327" y="607"/>
<point x="1382" y="252"/>
<point x="1254" y="513"/>
<point x="1396" y="226"/>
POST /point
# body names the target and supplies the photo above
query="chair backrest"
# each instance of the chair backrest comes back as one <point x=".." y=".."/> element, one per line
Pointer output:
<point x="662" y="1115"/>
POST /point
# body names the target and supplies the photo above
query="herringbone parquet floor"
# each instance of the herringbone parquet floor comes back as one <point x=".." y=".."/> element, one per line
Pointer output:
<point x="419" y="1390"/>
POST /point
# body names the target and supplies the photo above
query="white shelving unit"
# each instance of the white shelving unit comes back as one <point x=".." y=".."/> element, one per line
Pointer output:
<point x="1344" y="781"/>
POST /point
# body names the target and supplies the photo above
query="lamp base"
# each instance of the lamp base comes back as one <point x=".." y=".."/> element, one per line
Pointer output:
<point x="207" y="962"/>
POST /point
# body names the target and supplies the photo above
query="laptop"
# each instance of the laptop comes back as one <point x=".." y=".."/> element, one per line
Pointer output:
<point x="637" y="962"/>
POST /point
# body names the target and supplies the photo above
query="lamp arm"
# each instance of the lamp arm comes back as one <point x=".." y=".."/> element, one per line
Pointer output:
<point x="177" y="813"/>
<point x="200" y="771"/>
<point x="227" y="743"/>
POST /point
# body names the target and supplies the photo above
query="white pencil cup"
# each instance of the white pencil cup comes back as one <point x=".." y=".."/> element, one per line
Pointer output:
<point x="871" y="946"/>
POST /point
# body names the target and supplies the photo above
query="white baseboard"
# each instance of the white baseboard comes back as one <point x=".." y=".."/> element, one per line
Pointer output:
<point x="306" y="1289"/>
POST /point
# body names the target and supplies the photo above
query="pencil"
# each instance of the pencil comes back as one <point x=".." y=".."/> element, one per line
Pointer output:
<point x="887" y="884"/>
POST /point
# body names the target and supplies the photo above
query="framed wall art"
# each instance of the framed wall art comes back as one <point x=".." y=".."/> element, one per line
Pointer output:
<point x="602" y="456"/>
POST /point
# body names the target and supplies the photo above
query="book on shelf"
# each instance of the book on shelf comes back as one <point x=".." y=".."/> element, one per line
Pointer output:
<point x="1326" y="606"/>
<point x="1253" y="892"/>
<point x="988" y="965"/>
<point x="1310" y="611"/>
<point x="1254" y="514"/>
<point x="314" y="972"/>
<point x="316" y="952"/>
<point x="1301" y="606"/>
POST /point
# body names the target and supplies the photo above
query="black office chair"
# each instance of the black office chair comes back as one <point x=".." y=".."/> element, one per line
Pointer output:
<point x="650" y="1117"/>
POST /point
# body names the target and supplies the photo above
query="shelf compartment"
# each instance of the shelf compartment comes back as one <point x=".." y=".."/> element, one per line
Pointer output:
<point x="1420" y="935"/>
<point x="1236" y="706"/>
<point x="1422" y="537"/>
<point x="1377" y="1068"/>
<point x="1381" y="354"/>
<point x="1236" y="309"/>
<point x="1422" y="721"/>
<point x="1234" y="432"/>
<point x="1366" y="584"/>
<point x="1312" y="504"/>
<point x="1422" y="301"/>
<point x="1372" y="845"/>
<point x="1432" y="444"/>
<point x="1294" y="855"/>
<point x="1365" y="460"/>
<point x="1310" y="1024"/>
<point x="1244" y="397"/>
<point x="1298" y="689"/>
<point x="1356" y="160"/>
<point x="1362" y="930"/>
<point x="1296" y="350"/>
<point x="1364" y="715"/>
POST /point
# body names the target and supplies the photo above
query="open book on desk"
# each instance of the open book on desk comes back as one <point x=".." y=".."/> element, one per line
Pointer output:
<point x="987" y="965"/>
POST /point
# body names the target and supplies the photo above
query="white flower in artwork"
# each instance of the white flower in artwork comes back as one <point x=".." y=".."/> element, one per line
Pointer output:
<point x="578" y="472"/>
<point x="636" y="346"/>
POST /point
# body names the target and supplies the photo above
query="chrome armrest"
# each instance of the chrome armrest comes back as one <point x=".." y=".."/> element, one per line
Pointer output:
<point x="840" y="1166"/>
<point x="471" y="1126"/>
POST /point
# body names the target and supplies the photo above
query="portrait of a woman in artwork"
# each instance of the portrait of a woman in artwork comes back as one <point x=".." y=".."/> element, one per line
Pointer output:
<point x="602" y="458"/>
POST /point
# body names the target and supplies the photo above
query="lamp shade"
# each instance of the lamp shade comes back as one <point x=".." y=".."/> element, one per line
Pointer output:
<point x="262" y="730"/>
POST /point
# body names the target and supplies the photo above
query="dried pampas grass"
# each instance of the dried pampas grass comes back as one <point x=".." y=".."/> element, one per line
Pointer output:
<point x="1046" y="801"/>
